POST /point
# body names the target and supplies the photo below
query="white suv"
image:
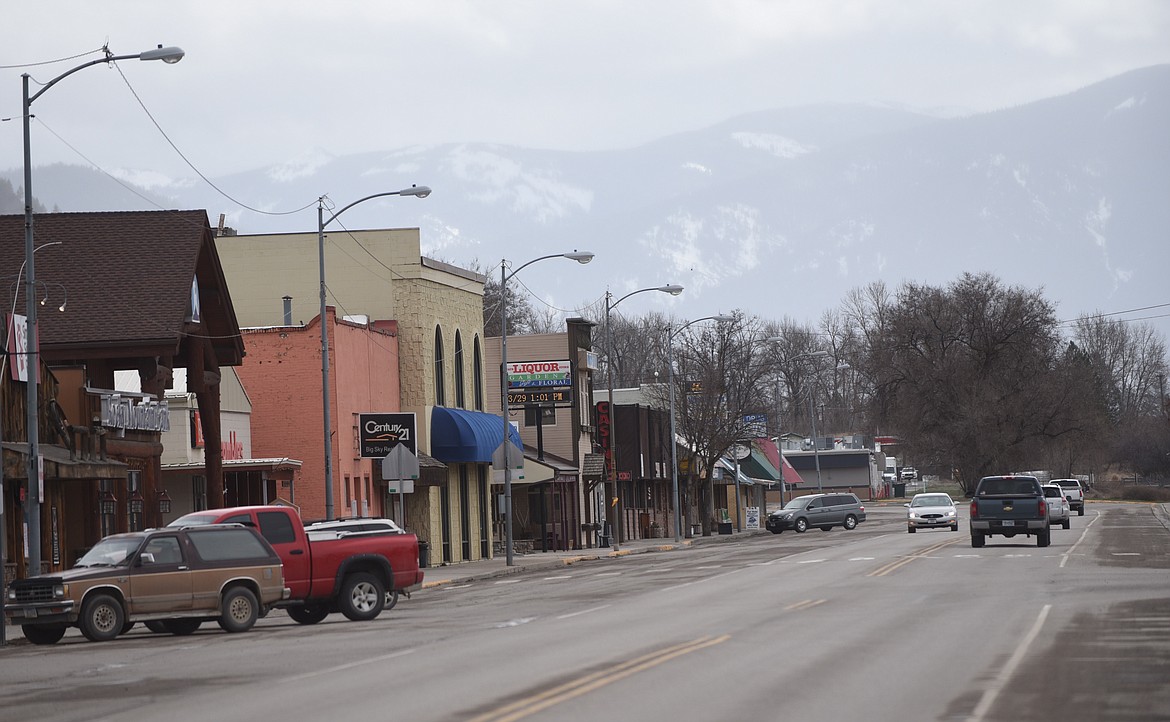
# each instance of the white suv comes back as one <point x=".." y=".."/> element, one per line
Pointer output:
<point x="1074" y="493"/>
<point x="1058" y="508"/>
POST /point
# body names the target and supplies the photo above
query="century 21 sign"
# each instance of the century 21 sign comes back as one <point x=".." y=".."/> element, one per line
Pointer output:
<point x="378" y="433"/>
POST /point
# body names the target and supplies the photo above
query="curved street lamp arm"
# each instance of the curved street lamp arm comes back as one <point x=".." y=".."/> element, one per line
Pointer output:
<point x="529" y="263"/>
<point x="718" y="317"/>
<point x="420" y="191"/>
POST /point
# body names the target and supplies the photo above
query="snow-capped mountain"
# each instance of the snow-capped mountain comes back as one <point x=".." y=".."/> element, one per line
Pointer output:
<point x="779" y="213"/>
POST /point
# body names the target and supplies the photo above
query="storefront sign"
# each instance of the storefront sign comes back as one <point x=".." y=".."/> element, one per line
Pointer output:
<point x="604" y="431"/>
<point x="544" y="397"/>
<point x="528" y="374"/>
<point x="752" y="517"/>
<point x="379" y="433"/>
<point x="129" y="412"/>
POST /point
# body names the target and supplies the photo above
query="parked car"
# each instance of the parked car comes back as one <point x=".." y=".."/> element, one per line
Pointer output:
<point x="355" y="526"/>
<point x="177" y="578"/>
<point x="328" y="571"/>
<point x="1059" y="510"/>
<point x="1074" y="493"/>
<point x="909" y="473"/>
<point x="818" y="510"/>
<point x="931" y="511"/>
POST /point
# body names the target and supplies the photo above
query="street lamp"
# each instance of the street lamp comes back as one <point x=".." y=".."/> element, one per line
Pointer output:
<point x="673" y="289"/>
<point x="812" y="414"/>
<point x="417" y="192"/>
<point x="720" y="318"/>
<point x="578" y="256"/>
<point x="167" y="55"/>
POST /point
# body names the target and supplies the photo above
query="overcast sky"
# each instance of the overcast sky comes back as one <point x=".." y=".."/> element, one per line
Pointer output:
<point x="265" y="82"/>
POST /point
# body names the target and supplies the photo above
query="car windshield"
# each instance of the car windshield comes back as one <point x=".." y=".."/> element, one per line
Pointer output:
<point x="798" y="503"/>
<point x="112" y="551"/>
<point x="194" y="520"/>
<point x="932" y="500"/>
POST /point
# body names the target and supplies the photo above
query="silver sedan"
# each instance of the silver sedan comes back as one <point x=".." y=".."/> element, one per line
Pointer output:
<point x="930" y="511"/>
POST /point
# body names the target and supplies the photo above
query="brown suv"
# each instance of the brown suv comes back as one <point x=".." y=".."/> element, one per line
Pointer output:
<point x="177" y="578"/>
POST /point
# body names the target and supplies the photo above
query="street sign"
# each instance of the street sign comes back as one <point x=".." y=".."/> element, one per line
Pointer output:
<point x="400" y="463"/>
<point x="740" y="451"/>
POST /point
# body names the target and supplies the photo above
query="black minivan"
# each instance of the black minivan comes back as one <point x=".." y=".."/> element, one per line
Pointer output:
<point x="820" y="510"/>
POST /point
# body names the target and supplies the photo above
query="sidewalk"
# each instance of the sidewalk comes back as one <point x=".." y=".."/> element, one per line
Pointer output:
<point x="497" y="567"/>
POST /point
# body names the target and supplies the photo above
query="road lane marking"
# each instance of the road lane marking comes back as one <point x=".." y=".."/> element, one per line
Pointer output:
<point x="514" y="622"/>
<point x="563" y="576"/>
<point x="1126" y="554"/>
<point x="508" y="581"/>
<point x="810" y="561"/>
<point x="570" y="690"/>
<point x="862" y="559"/>
<point x="607" y="574"/>
<point x="893" y="566"/>
<point x="1084" y="533"/>
<point x="343" y="667"/>
<point x="806" y="604"/>
<point x="457" y="586"/>
<point x="570" y="615"/>
<point x="700" y="581"/>
<point x="1008" y="669"/>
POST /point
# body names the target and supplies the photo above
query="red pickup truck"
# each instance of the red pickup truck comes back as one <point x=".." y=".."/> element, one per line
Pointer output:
<point x="343" y="573"/>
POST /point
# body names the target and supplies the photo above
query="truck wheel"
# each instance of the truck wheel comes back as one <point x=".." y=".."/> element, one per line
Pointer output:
<point x="240" y="610"/>
<point x="977" y="539"/>
<point x="155" y="626"/>
<point x="309" y="613"/>
<point x="1081" y="511"/>
<point x="127" y="627"/>
<point x="1044" y="538"/>
<point x="101" y="618"/>
<point x="43" y="633"/>
<point x="362" y="597"/>
<point x="850" y="522"/>
<point x="181" y="627"/>
<point x="801" y="526"/>
<point x="391" y="600"/>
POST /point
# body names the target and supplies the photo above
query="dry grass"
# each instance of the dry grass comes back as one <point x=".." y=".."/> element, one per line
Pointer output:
<point x="1117" y="490"/>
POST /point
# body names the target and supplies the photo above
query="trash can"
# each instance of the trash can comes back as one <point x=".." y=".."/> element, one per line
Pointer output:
<point x="900" y="489"/>
<point x="424" y="554"/>
<point x="725" y="527"/>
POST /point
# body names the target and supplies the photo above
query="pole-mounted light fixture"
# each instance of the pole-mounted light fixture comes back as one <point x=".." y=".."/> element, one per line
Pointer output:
<point x="613" y="496"/>
<point x="719" y="318"/>
<point x="415" y="191"/>
<point x="581" y="257"/>
<point x="169" y="55"/>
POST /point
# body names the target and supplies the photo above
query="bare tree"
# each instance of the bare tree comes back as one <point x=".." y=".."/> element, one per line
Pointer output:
<point x="975" y="378"/>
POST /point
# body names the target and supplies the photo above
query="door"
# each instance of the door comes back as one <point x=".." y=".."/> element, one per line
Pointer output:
<point x="278" y="529"/>
<point x="160" y="578"/>
<point x="817" y="512"/>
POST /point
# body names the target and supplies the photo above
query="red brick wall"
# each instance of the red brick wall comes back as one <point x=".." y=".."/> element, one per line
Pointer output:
<point x="282" y="375"/>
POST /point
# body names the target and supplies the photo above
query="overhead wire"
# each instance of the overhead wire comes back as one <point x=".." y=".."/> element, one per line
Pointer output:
<point x="50" y="62"/>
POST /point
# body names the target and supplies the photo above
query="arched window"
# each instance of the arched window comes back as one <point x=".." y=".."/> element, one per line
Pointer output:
<point x="460" y="396"/>
<point x="440" y="393"/>
<point x="477" y="369"/>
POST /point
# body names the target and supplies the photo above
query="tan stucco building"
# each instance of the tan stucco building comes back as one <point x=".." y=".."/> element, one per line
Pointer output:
<point x="374" y="276"/>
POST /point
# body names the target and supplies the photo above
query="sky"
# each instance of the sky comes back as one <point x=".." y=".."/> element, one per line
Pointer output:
<point x="267" y="82"/>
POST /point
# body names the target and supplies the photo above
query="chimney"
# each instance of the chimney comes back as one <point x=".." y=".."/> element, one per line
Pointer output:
<point x="287" y="310"/>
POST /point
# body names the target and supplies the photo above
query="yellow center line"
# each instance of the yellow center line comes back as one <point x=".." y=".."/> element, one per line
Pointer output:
<point x="570" y="690"/>
<point x="899" y="563"/>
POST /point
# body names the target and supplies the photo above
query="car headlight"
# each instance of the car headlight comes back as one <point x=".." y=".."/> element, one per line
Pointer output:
<point x="11" y="594"/>
<point x="913" y="515"/>
<point x="950" y="512"/>
<point x="60" y="591"/>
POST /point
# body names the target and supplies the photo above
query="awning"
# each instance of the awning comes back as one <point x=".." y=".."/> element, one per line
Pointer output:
<point x="467" y="436"/>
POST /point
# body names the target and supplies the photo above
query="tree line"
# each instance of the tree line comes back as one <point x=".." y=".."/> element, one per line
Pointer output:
<point x="974" y="377"/>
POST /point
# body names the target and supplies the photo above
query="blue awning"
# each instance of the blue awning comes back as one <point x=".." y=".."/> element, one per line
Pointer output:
<point x="467" y="436"/>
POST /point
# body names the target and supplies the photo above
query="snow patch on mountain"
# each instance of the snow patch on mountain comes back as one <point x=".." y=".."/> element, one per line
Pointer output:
<point x="538" y="193"/>
<point x="777" y="145"/>
<point x="697" y="167"/>
<point x="150" y="180"/>
<point x="302" y="167"/>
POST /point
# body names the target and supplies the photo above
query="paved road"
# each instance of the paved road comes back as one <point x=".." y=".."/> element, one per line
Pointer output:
<point x="874" y="624"/>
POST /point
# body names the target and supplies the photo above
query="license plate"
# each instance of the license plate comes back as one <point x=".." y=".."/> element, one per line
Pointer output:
<point x="1008" y="523"/>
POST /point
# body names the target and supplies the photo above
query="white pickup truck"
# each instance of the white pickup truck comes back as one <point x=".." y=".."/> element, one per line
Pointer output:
<point x="1074" y="493"/>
